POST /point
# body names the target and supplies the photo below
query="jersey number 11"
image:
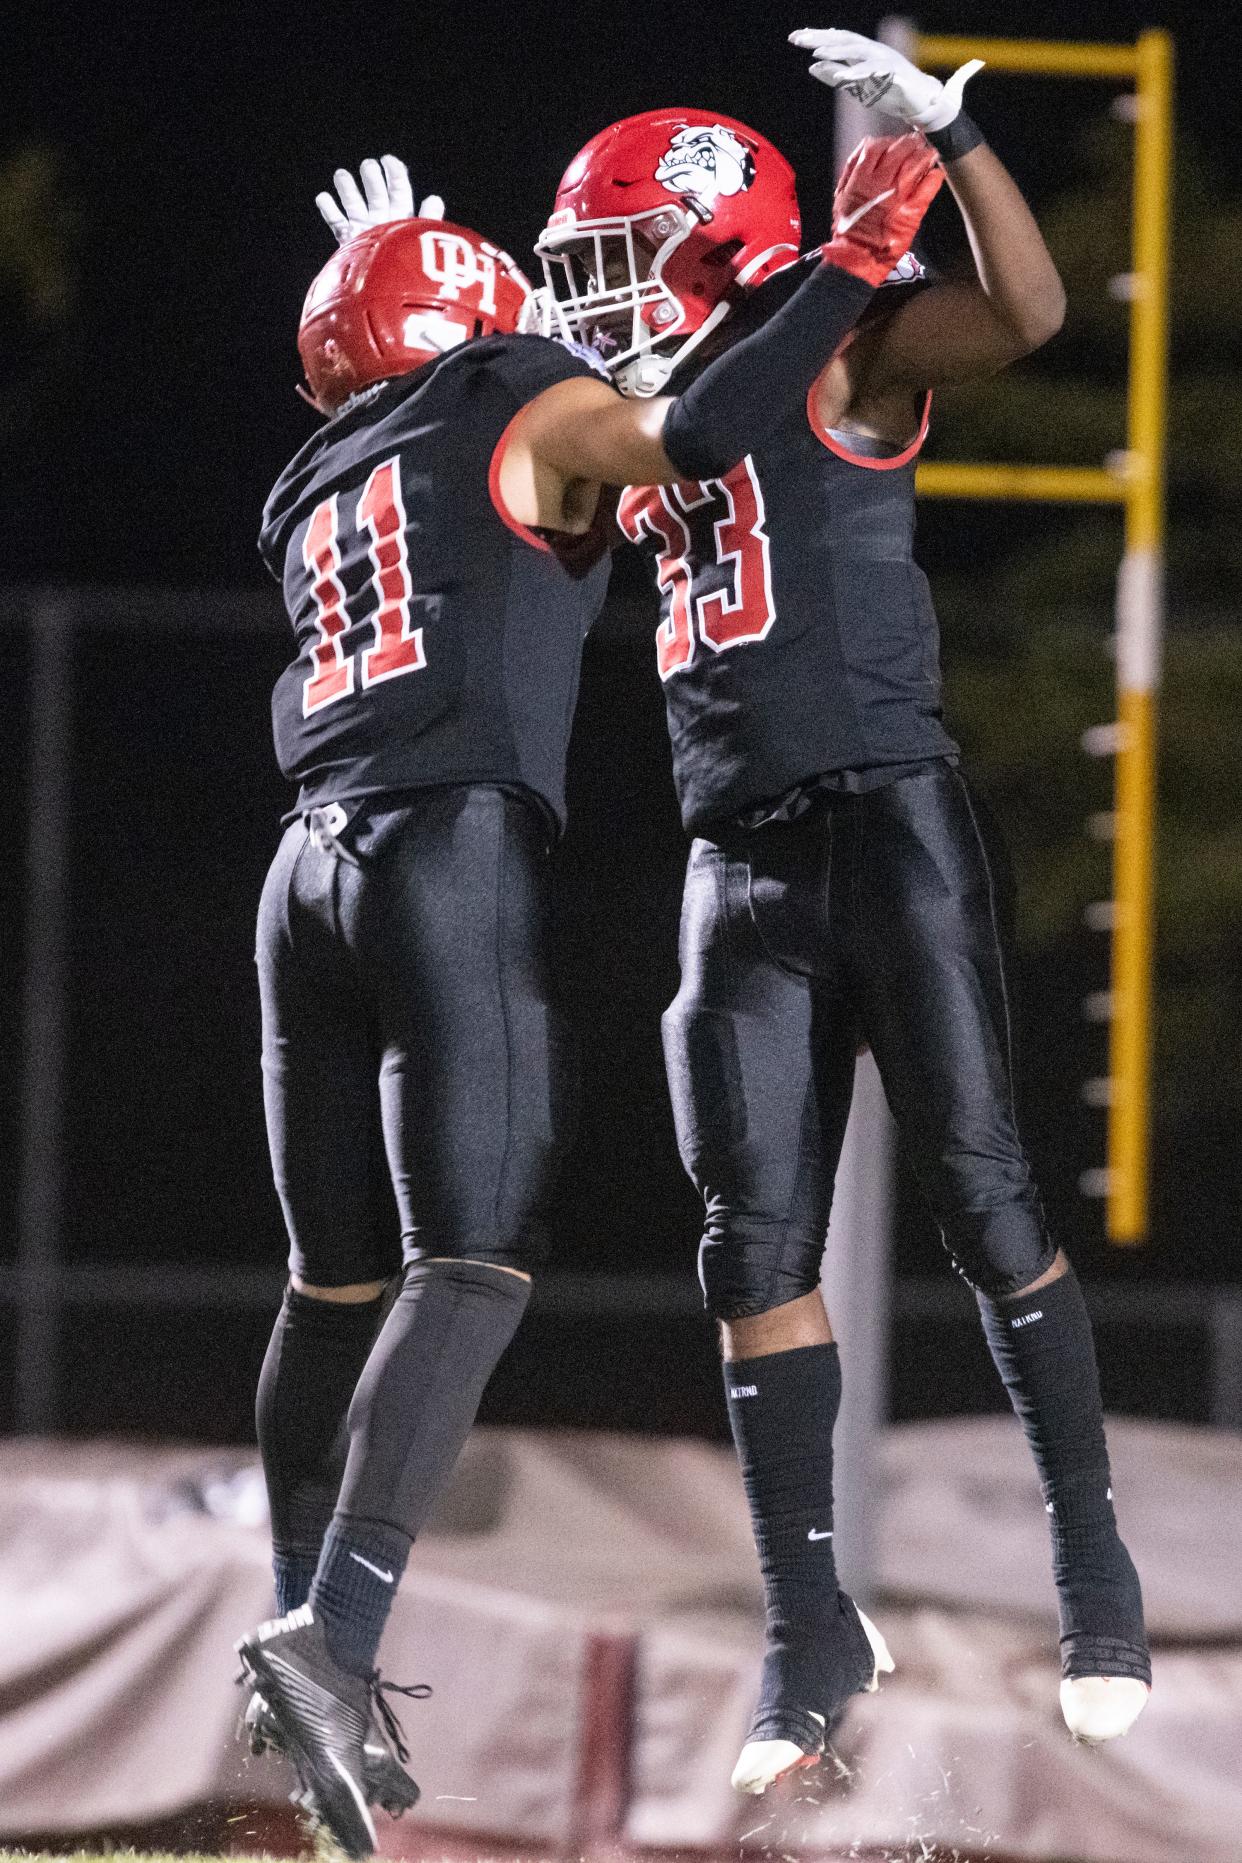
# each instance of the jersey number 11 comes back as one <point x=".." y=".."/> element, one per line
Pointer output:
<point x="398" y="647"/>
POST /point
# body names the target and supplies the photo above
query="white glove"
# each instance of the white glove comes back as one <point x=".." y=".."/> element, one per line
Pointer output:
<point x="879" y="76"/>
<point x="386" y="195"/>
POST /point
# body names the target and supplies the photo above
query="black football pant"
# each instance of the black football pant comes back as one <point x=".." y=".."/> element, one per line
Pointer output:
<point x="410" y="1043"/>
<point x="882" y="917"/>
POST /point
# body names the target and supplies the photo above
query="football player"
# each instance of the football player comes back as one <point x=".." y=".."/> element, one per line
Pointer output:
<point x="844" y="883"/>
<point x="436" y="545"/>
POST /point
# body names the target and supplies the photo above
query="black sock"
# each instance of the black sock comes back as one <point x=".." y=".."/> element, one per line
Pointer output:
<point x="1044" y="1352"/>
<point x="314" y="1360"/>
<point x="782" y="1409"/>
<point x="359" y="1571"/>
<point x="412" y="1411"/>
<point x="293" y="1573"/>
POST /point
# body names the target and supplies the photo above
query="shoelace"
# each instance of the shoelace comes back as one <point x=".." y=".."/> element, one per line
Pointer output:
<point x="416" y="1691"/>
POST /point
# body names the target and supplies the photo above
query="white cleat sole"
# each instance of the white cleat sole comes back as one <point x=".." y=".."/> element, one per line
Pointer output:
<point x="762" y="1763"/>
<point x="884" y="1664"/>
<point x="1102" y="1707"/>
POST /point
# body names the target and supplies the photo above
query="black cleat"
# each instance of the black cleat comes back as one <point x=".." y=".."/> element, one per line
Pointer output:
<point x="322" y="1715"/>
<point x="385" y="1780"/>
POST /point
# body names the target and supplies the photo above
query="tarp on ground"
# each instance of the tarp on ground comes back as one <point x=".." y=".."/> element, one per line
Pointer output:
<point x="587" y="1610"/>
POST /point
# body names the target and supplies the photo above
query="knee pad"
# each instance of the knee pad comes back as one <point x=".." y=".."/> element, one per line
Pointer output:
<point x="748" y="1267"/>
<point x="1000" y="1251"/>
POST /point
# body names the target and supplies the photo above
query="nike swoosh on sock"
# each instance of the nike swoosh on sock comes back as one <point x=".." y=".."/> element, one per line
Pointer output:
<point x="380" y="1574"/>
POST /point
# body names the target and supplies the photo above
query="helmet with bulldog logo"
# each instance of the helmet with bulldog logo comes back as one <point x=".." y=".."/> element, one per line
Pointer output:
<point x="659" y="222"/>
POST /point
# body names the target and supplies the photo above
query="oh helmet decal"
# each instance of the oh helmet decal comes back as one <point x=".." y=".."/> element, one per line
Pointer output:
<point x="710" y="162"/>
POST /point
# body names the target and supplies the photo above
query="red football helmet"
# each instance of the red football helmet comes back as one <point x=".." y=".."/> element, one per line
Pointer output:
<point x="658" y="221"/>
<point x="398" y="295"/>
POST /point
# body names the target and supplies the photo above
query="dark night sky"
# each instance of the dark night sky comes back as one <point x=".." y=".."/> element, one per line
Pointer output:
<point x="195" y="138"/>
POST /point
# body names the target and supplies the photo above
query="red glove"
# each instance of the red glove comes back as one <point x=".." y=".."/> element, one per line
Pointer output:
<point x="884" y="190"/>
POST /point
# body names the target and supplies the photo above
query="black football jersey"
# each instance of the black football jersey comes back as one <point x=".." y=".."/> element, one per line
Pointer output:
<point x="438" y="640"/>
<point x="797" y="633"/>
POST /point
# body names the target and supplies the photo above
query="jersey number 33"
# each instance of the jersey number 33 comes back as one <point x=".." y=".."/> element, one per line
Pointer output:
<point x="714" y="561"/>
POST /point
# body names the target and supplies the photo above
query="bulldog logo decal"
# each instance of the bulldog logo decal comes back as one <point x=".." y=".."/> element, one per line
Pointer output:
<point x="709" y="162"/>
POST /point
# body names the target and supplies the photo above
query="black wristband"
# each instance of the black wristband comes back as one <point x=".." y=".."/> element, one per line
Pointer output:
<point x="956" y="139"/>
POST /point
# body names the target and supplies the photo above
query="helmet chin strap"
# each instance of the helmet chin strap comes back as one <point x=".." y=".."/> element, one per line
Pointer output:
<point x="646" y="375"/>
<point x="643" y="376"/>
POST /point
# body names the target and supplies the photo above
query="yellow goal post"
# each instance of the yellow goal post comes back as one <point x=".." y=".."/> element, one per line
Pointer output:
<point x="1137" y="485"/>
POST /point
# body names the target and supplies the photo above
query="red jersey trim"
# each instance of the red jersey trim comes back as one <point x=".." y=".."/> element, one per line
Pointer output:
<point x="493" y="488"/>
<point x="863" y="459"/>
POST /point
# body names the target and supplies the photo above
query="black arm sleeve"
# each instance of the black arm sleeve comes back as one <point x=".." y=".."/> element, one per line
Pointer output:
<point x="741" y="397"/>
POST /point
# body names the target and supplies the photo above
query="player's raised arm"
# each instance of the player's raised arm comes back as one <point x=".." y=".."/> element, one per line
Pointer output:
<point x="951" y="332"/>
<point x="581" y="431"/>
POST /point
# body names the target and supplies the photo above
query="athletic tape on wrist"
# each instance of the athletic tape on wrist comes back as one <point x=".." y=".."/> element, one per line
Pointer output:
<point x="956" y="139"/>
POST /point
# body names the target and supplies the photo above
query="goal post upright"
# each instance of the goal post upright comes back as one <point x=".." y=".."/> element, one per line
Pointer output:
<point x="1140" y="629"/>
